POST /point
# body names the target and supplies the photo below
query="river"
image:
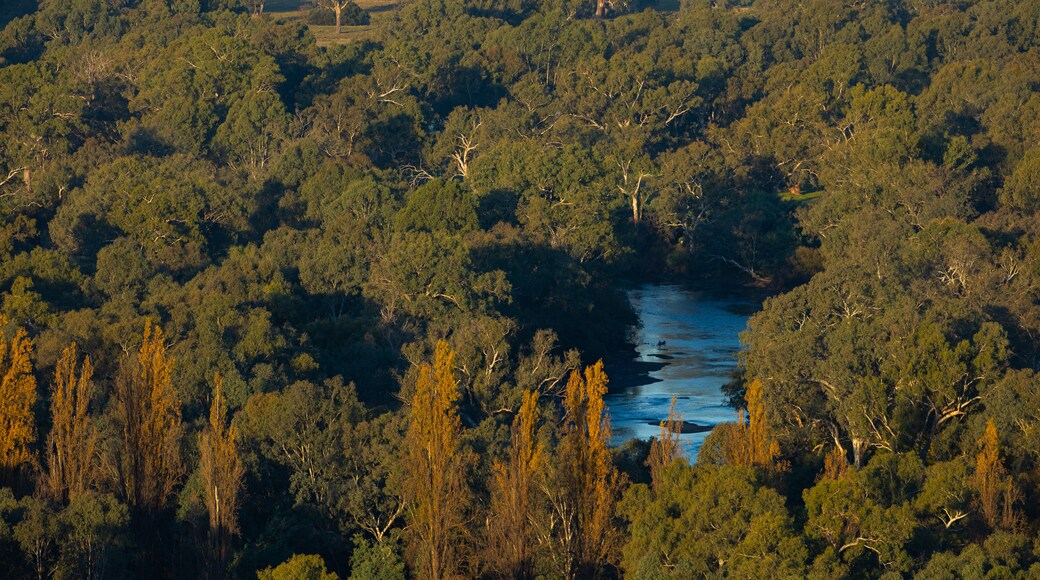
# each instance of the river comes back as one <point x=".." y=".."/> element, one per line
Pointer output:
<point x="687" y="347"/>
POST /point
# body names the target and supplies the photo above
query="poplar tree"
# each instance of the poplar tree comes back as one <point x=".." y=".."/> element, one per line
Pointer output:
<point x="72" y="444"/>
<point x="17" y="397"/>
<point x="222" y="474"/>
<point x="149" y="414"/>
<point x="666" y="447"/>
<point x="989" y="473"/>
<point x="751" y="443"/>
<point x="435" y="488"/>
<point x="511" y="539"/>
<point x="996" y="492"/>
<point x="586" y="484"/>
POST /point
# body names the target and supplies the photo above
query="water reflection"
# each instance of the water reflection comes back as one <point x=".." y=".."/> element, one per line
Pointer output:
<point x="687" y="348"/>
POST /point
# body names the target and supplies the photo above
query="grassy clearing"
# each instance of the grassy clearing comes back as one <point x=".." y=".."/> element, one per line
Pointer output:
<point x="378" y="10"/>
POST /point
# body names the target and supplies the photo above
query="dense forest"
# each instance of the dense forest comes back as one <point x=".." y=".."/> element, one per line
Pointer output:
<point x="280" y="309"/>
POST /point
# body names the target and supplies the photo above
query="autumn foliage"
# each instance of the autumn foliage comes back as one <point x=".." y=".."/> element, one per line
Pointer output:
<point x="751" y="442"/>
<point x="514" y="485"/>
<point x="150" y="417"/>
<point x="435" y="487"/>
<point x="666" y="447"/>
<point x="222" y="474"/>
<point x="17" y="397"/>
<point x="589" y="484"/>
<point x="72" y="444"/>
<point x="835" y="465"/>
<point x="996" y="492"/>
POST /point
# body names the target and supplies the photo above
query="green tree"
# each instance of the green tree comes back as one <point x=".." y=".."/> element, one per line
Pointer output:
<point x="744" y="529"/>
<point x="298" y="567"/>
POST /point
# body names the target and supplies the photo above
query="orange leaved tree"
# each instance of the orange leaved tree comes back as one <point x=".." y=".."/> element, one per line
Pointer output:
<point x="17" y="397"/>
<point x="585" y="484"/>
<point x="222" y="474"/>
<point x="150" y="417"/>
<point x="511" y="539"/>
<point x="72" y="444"/>
<point x="666" y="447"/>
<point x="435" y="489"/>
<point x="751" y="442"/>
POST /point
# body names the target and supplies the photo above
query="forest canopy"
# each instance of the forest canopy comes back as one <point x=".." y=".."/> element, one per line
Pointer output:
<point x="280" y="308"/>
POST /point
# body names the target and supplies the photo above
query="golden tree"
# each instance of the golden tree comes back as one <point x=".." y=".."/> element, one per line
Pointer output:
<point x="72" y="444"/>
<point x="996" y="491"/>
<point x="149" y="413"/>
<point x="667" y="447"/>
<point x="751" y="443"/>
<point x="434" y="486"/>
<point x="17" y="397"/>
<point x="511" y="540"/>
<point x="222" y="473"/>
<point x="587" y="485"/>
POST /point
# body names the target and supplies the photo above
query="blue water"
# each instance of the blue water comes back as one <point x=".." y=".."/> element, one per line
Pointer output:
<point x="696" y="337"/>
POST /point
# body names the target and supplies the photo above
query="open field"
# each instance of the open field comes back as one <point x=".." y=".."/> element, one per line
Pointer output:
<point x="326" y="35"/>
<point x="378" y="10"/>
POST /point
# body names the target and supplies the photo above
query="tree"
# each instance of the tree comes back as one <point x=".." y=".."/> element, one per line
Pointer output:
<point x="995" y="488"/>
<point x="37" y="535"/>
<point x="511" y="541"/>
<point x="435" y="488"/>
<point x="848" y="515"/>
<point x="709" y="521"/>
<point x="372" y="496"/>
<point x="298" y="567"/>
<point x="17" y="398"/>
<point x="302" y="428"/>
<point x="95" y="530"/>
<point x="150" y="418"/>
<point x="667" y="447"/>
<point x="72" y="444"/>
<point x="222" y="475"/>
<point x="751" y="443"/>
<point x="585" y="485"/>
<point x="379" y="560"/>
<point x="337" y="7"/>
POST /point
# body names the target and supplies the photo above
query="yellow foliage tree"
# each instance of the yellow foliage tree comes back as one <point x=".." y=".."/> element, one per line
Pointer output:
<point x="752" y="443"/>
<point x="434" y="486"/>
<point x="150" y="417"/>
<point x="587" y="485"/>
<point x="996" y="491"/>
<point x="511" y="541"/>
<point x="222" y="473"/>
<point x="72" y="443"/>
<point x="17" y="397"/>
<point x="667" y="447"/>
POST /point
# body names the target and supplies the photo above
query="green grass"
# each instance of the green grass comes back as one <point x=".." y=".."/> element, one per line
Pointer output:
<point x="378" y="10"/>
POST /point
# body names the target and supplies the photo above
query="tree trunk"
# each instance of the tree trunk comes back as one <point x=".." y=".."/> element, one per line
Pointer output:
<point x="857" y="451"/>
<point x="601" y="8"/>
<point x="339" y="17"/>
